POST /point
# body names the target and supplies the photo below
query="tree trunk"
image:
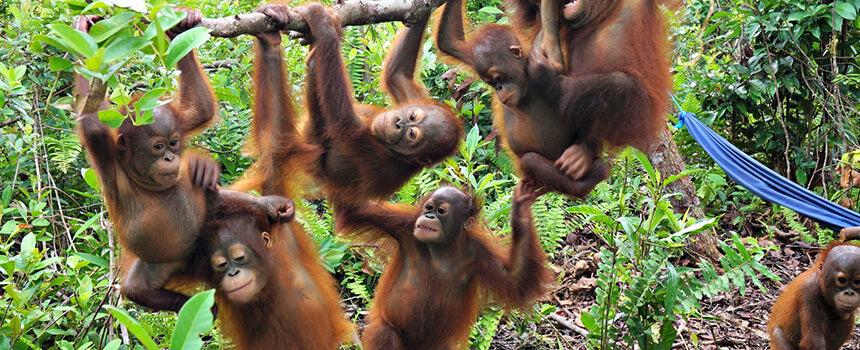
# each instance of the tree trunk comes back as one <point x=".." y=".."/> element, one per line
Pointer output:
<point x="665" y="159"/>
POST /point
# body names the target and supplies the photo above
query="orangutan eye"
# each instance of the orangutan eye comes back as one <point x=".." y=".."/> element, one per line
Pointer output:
<point x="442" y="210"/>
<point x="412" y="116"/>
<point x="174" y="143"/>
<point x="413" y="134"/>
<point x="240" y="258"/>
<point x="842" y="280"/>
<point x="158" y="146"/>
<point x="428" y="207"/>
<point x="219" y="263"/>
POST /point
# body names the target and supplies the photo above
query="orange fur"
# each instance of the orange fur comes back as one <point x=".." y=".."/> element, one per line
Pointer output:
<point x="805" y="315"/>
<point x="299" y="306"/>
<point x="426" y="300"/>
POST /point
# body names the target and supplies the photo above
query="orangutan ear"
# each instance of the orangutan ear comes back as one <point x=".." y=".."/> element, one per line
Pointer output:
<point x="469" y="223"/>
<point x="267" y="240"/>
<point x="517" y="50"/>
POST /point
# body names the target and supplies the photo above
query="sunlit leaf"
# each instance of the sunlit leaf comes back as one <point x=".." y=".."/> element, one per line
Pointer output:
<point x="78" y="42"/>
<point x="133" y="325"/>
<point x="846" y="10"/>
<point x="57" y="64"/>
<point x="39" y="39"/>
<point x="95" y="260"/>
<point x="149" y="100"/>
<point x="28" y="243"/>
<point x="94" y="63"/>
<point x="124" y="47"/>
<point x="106" y="28"/>
<point x="195" y="318"/>
<point x="111" y="117"/>
<point x="134" y="5"/>
<point x="184" y="43"/>
<point x="91" y="178"/>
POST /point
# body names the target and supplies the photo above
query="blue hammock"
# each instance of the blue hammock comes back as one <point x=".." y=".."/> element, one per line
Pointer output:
<point x="764" y="182"/>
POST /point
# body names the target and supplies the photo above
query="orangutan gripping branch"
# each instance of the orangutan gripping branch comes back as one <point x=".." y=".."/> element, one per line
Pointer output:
<point x="156" y="195"/>
<point x="271" y="288"/>
<point x="366" y="152"/>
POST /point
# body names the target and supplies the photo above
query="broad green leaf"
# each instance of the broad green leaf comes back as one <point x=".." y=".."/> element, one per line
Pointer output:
<point x="77" y="41"/>
<point x="28" y="243"/>
<point x="588" y="321"/>
<point x="717" y="179"/>
<point x="111" y="117"/>
<point x="630" y="225"/>
<point x="20" y="71"/>
<point x="95" y="5"/>
<point x="184" y="43"/>
<point x="6" y="196"/>
<point x="143" y="118"/>
<point x="801" y="177"/>
<point x="113" y="344"/>
<point x="149" y="100"/>
<point x="720" y="14"/>
<point x="41" y="38"/>
<point x="124" y="47"/>
<point x="698" y="226"/>
<point x="40" y="222"/>
<point x="165" y="18"/>
<point x="584" y="209"/>
<point x="57" y="64"/>
<point x="491" y="10"/>
<point x="134" y="5"/>
<point x="677" y="176"/>
<point x="95" y="260"/>
<point x="90" y="73"/>
<point x="643" y="159"/>
<point x="94" y="63"/>
<point x="795" y="16"/>
<point x="133" y="326"/>
<point x="194" y="318"/>
<point x="104" y="29"/>
<point x="9" y="227"/>
<point x="331" y="252"/>
<point x="91" y="178"/>
<point x="92" y="220"/>
<point x="671" y="287"/>
<point x="846" y="10"/>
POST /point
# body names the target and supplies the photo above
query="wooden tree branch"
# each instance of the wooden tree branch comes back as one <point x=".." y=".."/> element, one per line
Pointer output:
<point x="91" y="102"/>
<point x="351" y="12"/>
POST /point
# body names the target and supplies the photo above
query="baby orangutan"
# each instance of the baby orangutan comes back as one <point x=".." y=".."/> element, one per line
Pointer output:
<point x="427" y="297"/>
<point x="816" y="310"/>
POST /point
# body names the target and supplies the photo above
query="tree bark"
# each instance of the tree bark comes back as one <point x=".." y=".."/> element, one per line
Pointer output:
<point x="665" y="158"/>
<point x="353" y="12"/>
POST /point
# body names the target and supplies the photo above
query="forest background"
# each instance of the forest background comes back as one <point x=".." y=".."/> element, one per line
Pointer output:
<point x="778" y="78"/>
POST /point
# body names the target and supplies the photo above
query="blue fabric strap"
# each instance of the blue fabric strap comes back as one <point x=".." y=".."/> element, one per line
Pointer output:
<point x="682" y="114"/>
<point x="765" y="182"/>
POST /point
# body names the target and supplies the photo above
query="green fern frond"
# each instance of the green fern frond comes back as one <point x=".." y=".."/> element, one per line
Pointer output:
<point x="63" y="151"/>
<point x="316" y="219"/>
<point x="481" y="335"/>
<point x="550" y="221"/>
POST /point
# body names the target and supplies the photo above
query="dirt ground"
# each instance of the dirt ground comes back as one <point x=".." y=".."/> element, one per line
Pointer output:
<point x="728" y="320"/>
